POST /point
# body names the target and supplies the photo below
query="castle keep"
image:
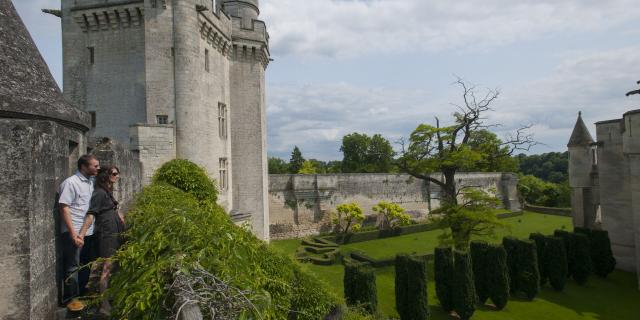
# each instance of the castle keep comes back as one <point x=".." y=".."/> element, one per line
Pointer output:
<point x="176" y="79"/>
<point x="605" y="183"/>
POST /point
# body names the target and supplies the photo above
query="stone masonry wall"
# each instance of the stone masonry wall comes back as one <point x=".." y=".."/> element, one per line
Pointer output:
<point x="36" y="156"/>
<point x="300" y="205"/>
<point x="154" y="145"/>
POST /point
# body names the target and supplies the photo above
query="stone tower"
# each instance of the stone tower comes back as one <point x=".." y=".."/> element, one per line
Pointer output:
<point x="177" y="79"/>
<point x="582" y="176"/>
<point x="41" y="137"/>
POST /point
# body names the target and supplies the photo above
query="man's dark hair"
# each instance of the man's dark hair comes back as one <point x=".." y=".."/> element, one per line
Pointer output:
<point x="84" y="160"/>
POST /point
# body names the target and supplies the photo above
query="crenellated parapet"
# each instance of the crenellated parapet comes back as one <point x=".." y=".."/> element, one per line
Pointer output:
<point x="121" y="15"/>
<point x="215" y="33"/>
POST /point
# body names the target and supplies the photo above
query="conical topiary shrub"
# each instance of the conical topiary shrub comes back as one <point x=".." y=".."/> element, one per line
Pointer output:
<point x="568" y="248"/>
<point x="539" y="238"/>
<point x="582" y="258"/>
<point x="480" y="264"/>
<point x="510" y="245"/>
<point x="464" y="292"/>
<point x="443" y="274"/>
<point x="498" y="275"/>
<point x="603" y="261"/>
<point x="527" y="268"/>
<point x="411" y="289"/>
<point x="555" y="262"/>
<point x="360" y="286"/>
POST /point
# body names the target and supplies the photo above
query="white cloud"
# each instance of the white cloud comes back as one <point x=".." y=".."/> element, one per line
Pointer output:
<point x="342" y="28"/>
<point x="316" y="117"/>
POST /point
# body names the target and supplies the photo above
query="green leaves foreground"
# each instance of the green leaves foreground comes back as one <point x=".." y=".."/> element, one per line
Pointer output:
<point x="178" y="233"/>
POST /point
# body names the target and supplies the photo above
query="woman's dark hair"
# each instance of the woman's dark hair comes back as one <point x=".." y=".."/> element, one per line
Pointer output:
<point x="102" y="180"/>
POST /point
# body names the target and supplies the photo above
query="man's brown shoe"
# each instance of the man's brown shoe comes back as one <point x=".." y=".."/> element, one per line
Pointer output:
<point x="75" y="305"/>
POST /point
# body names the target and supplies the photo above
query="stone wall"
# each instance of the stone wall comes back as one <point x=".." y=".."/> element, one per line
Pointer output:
<point x="300" y="205"/>
<point x="110" y="152"/>
<point x="36" y="156"/>
<point x="154" y="145"/>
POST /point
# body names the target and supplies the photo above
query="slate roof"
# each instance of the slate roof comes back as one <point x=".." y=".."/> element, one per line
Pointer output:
<point x="27" y="89"/>
<point x="580" y="135"/>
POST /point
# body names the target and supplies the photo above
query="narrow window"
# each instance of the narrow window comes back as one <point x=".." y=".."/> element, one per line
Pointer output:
<point x="206" y="60"/>
<point x="92" y="58"/>
<point x="223" y="179"/>
<point x="154" y="3"/>
<point x="162" y="119"/>
<point x="222" y="120"/>
<point x="93" y="118"/>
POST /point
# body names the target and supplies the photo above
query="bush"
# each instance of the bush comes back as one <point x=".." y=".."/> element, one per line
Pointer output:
<point x="539" y="239"/>
<point x="568" y="247"/>
<point x="443" y="274"/>
<point x="555" y="262"/>
<point x="188" y="177"/>
<point x="348" y="217"/>
<point x="360" y="286"/>
<point x="464" y="292"/>
<point x="528" y="274"/>
<point x="479" y="250"/>
<point x="498" y="275"/>
<point x="391" y="215"/>
<point x="511" y="247"/>
<point x="173" y="233"/>
<point x="411" y="288"/>
<point x="603" y="261"/>
<point x="581" y="258"/>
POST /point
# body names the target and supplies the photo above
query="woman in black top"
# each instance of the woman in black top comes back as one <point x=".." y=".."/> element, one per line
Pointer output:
<point x="109" y="224"/>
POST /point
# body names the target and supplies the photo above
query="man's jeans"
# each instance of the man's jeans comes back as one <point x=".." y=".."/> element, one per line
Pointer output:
<point x="73" y="258"/>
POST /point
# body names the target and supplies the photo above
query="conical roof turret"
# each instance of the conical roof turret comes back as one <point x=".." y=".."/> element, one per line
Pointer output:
<point x="580" y="135"/>
<point x="27" y="89"/>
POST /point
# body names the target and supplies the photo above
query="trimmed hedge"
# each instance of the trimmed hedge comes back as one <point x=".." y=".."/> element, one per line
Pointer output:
<point x="360" y="286"/>
<point x="568" y="247"/>
<point x="398" y="231"/>
<point x="411" y="288"/>
<point x="511" y="247"/>
<point x="603" y="261"/>
<point x="528" y="274"/>
<point x="479" y="250"/>
<point x="443" y="274"/>
<point x="555" y="262"/>
<point x="498" y="275"/>
<point x="539" y="238"/>
<point x="464" y="292"/>
<point x="188" y="177"/>
<point x="581" y="258"/>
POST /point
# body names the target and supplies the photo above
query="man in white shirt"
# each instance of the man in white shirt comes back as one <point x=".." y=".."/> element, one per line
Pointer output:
<point x="75" y="196"/>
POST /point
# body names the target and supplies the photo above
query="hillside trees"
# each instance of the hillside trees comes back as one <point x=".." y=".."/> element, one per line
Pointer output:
<point x="365" y="154"/>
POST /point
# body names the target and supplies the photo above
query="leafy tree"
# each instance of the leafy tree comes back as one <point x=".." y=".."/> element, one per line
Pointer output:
<point x="539" y="192"/>
<point x="366" y="154"/>
<point x="348" y="217"/>
<point x="443" y="274"/>
<point x="437" y="153"/>
<point x="307" y="168"/>
<point x="464" y="292"/>
<point x="334" y="167"/>
<point x="498" y="275"/>
<point x="296" y="162"/>
<point x="474" y="216"/>
<point x="495" y="155"/>
<point x="391" y="215"/>
<point x="552" y="167"/>
<point x="277" y="166"/>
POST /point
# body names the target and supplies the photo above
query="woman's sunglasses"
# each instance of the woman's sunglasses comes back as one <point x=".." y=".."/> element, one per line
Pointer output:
<point x="115" y="174"/>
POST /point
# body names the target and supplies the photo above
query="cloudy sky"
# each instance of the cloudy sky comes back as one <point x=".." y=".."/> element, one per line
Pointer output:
<point x="384" y="66"/>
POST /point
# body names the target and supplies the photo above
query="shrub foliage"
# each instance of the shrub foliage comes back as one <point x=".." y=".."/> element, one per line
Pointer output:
<point x="176" y="228"/>
<point x="555" y="262"/>
<point x="498" y="275"/>
<point x="511" y="247"/>
<point x="581" y="258"/>
<point x="360" y="286"/>
<point x="479" y="250"/>
<point x="568" y="247"/>
<point x="443" y="274"/>
<point x="603" y="261"/>
<point x="540" y="241"/>
<point x="528" y="274"/>
<point x="464" y="292"/>
<point x="411" y="288"/>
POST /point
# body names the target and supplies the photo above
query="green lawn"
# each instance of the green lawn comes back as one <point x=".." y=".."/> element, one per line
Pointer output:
<point x="613" y="298"/>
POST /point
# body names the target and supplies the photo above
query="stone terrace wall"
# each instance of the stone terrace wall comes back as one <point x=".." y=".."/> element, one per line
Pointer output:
<point x="300" y="205"/>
